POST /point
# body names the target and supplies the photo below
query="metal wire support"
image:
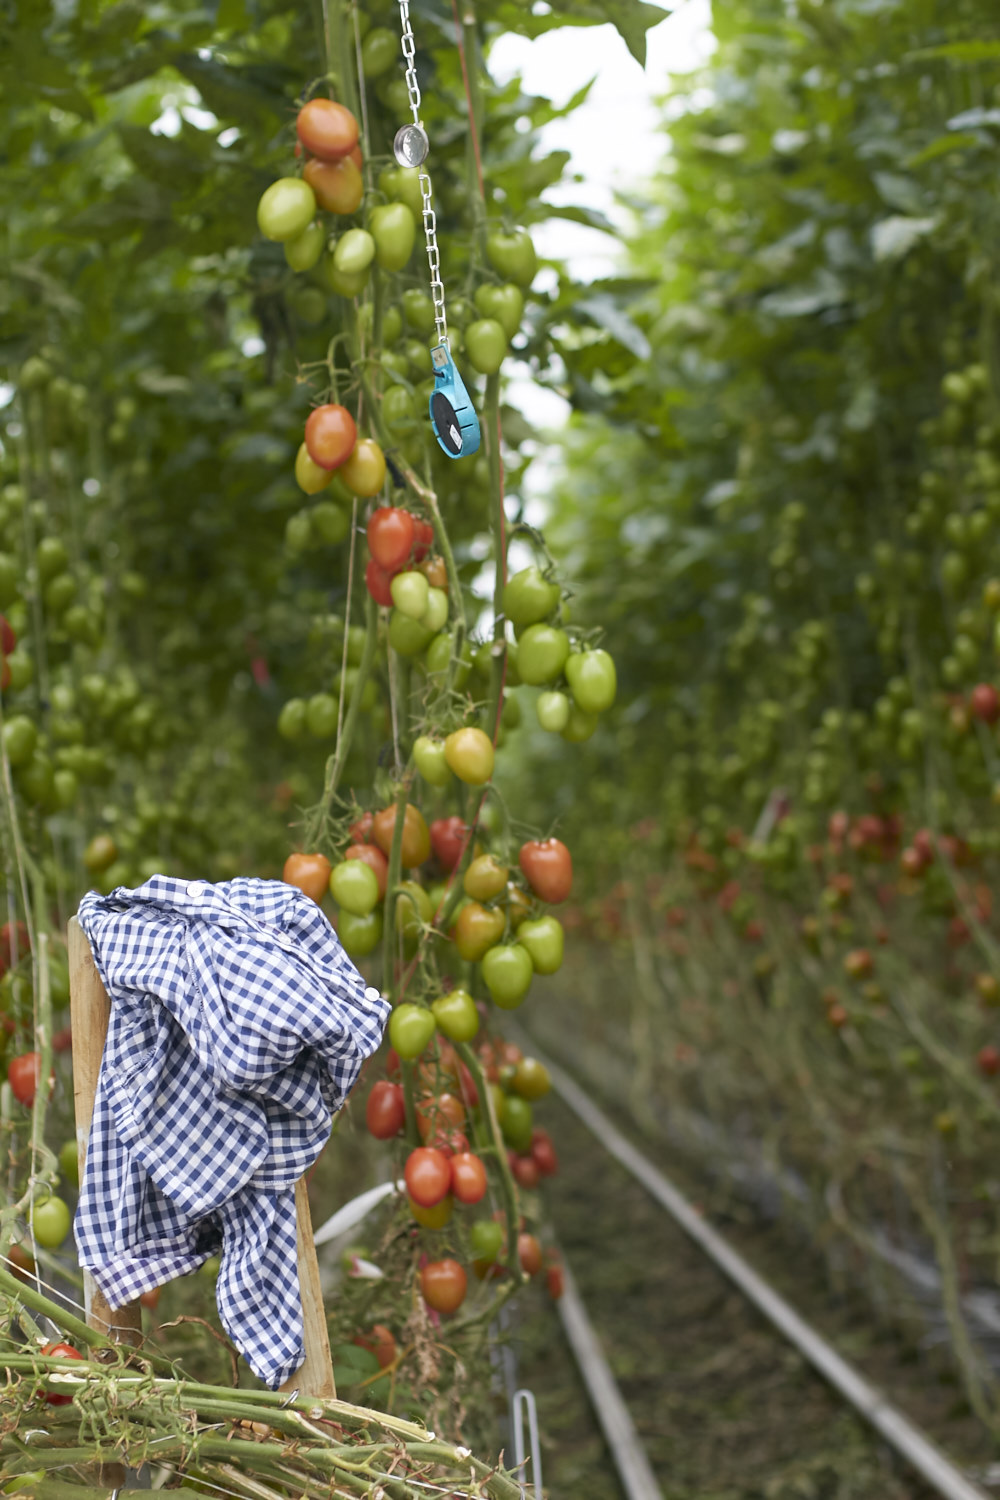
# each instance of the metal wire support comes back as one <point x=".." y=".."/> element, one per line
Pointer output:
<point x="410" y="148"/>
<point x="524" y="1402"/>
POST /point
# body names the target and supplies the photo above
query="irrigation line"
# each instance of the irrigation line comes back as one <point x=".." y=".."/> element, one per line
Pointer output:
<point x="637" y="1478"/>
<point x="869" y="1402"/>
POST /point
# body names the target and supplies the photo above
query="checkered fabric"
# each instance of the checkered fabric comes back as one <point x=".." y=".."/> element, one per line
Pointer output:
<point x="238" y="1025"/>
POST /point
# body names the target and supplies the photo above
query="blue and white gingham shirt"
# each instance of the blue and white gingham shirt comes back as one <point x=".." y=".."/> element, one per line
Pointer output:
<point x="238" y="1025"/>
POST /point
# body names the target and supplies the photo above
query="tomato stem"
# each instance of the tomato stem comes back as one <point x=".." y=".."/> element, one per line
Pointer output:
<point x="509" y="1191"/>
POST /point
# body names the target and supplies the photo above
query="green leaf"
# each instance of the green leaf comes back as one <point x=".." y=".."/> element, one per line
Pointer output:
<point x="958" y="52"/>
<point x="592" y="217"/>
<point x="894" y="237"/>
<point x="944" y="146"/>
<point x="608" y="315"/>
<point x="632" y="19"/>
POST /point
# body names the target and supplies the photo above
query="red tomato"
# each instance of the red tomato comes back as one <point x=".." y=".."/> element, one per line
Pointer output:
<point x="22" y="1262"/>
<point x="385" y="1111"/>
<point x="310" y="872"/>
<point x="443" y="1284"/>
<point x="529" y="1253"/>
<point x="428" y="1176"/>
<point x="548" y="869"/>
<point x="62" y="1040"/>
<point x="151" y="1298"/>
<point x="375" y="860"/>
<point x="423" y="539"/>
<point x="360" y="831"/>
<point x="12" y="938"/>
<point x="448" y="836"/>
<point x="60" y="1351"/>
<point x="543" y="1153"/>
<point x="468" y="1177"/>
<point x="24" y="1076"/>
<point x="555" y="1281"/>
<point x="445" y="1137"/>
<point x="379" y="584"/>
<point x="440" y="1109"/>
<point x="8" y="638"/>
<point x="988" y="1059"/>
<point x="380" y="1342"/>
<point x="326" y="129"/>
<point x="525" y="1170"/>
<point x="390" y="536"/>
<point x="330" y="435"/>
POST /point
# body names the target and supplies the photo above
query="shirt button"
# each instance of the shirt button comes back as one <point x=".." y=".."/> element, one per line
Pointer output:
<point x="197" y="888"/>
<point x="371" y="993"/>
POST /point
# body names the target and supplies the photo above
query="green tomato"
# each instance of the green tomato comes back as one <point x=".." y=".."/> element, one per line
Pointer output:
<point x="429" y="757"/>
<point x="402" y="185"/>
<point x="379" y="51"/>
<point x="512" y="255"/>
<point x="410" y="1029"/>
<point x="69" y="1162"/>
<point x="439" y="656"/>
<point x="529" y="597"/>
<point x="36" y="780"/>
<point x="579" y="726"/>
<point x="19" y="738"/>
<point x="66" y="788"/>
<point x="395" y="231"/>
<point x="507" y="970"/>
<point x="485" y="1240"/>
<point x="304" y="251"/>
<point x="398" y="411"/>
<point x="10" y="578"/>
<point x="409" y="591"/>
<point x="308" y="305"/>
<point x="321" y="715"/>
<point x="592" y="680"/>
<point x="413" y="908"/>
<point x="343" y="283"/>
<point x="22" y="669"/>
<point x="553" y="711"/>
<point x="510" y="713"/>
<point x="456" y="1016"/>
<point x="504" y="303"/>
<point x="50" y="1221"/>
<point x="435" y="616"/>
<point x="517" y="1123"/>
<point x="360" y="935"/>
<point x="298" y="532"/>
<point x="485" y="345"/>
<point x="418" y="357"/>
<point x="406" y="635"/>
<point x="357" y="637"/>
<point x="543" y="938"/>
<point x="330" y="522"/>
<point x="419" y="310"/>
<point x="542" y="653"/>
<point x="354" y="252"/>
<point x="51" y="558"/>
<point x="369" y="693"/>
<point x="395" y="365"/>
<point x="354" y="887"/>
<point x="286" y="209"/>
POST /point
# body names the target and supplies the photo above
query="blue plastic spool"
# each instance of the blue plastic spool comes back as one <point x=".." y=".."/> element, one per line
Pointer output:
<point x="453" y="418"/>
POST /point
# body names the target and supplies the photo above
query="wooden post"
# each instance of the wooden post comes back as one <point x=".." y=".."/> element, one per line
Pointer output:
<point x="90" y="1010"/>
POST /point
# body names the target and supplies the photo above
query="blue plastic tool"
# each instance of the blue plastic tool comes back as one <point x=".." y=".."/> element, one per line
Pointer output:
<point x="453" y="418"/>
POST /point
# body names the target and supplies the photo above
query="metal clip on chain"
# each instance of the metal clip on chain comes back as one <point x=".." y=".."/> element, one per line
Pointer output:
<point x="453" y="418"/>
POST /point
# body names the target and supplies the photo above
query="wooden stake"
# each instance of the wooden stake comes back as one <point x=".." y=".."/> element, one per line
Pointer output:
<point x="90" y="1010"/>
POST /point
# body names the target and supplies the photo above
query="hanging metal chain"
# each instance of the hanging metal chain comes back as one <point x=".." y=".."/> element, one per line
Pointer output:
<point x="410" y="149"/>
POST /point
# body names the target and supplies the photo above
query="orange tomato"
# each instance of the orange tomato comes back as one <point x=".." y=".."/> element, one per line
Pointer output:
<point x="310" y="872"/>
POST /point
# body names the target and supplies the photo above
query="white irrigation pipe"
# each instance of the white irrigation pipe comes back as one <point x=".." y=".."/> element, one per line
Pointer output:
<point x="887" y="1420"/>
<point x="637" y="1478"/>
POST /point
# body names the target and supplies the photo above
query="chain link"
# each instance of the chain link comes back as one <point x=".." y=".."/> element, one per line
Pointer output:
<point x="429" y="216"/>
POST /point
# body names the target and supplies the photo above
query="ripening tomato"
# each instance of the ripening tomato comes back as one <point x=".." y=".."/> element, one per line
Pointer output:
<point x="448" y="837"/>
<point x="390" y="536"/>
<point x="59" y="1350"/>
<point x="485" y="878"/>
<point x="469" y="753"/>
<point x="337" y="186"/>
<point x="385" y="1111"/>
<point x="151" y="1298"/>
<point x="433" y="1218"/>
<point x="443" y="1285"/>
<point x="24" y="1074"/>
<point x="531" y="1078"/>
<point x="378" y="582"/>
<point x="428" y="1176"/>
<point x="548" y="868"/>
<point x="555" y="1281"/>
<point x="309" y="476"/>
<point x="330" y="435"/>
<point x="327" y="129"/>
<point x="525" y="1171"/>
<point x="423" y="538"/>
<point x="437" y="1110"/>
<point x="416" y="844"/>
<point x="544" y="1153"/>
<point x="360" y="831"/>
<point x="543" y="938"/>
<point x="507" y="971"/>
<point x="354" y="886"/>
<point x="529" y="1253"/>
<point x="468" y="1178"/>
<point x="592" y="680"/>
<point x="375" y="860"/>
<point x="455" y="1015"/>
<point x="436" y="573"/>
<point x="379" y="1342"/>
<point x="364" y="471"/>
<point x="410" y="1029"/>
<point x="477" y="928"/>
<point x="286" y="209"/>
<point x="310" y="872"/>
